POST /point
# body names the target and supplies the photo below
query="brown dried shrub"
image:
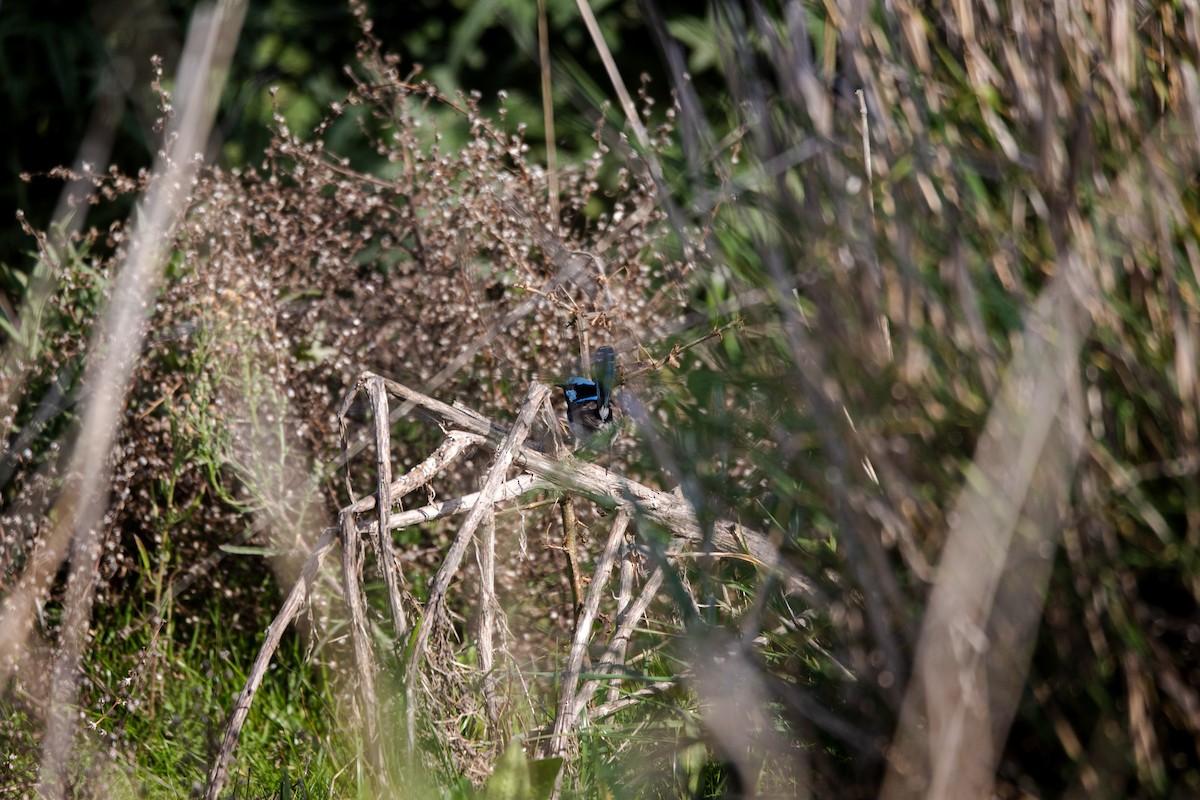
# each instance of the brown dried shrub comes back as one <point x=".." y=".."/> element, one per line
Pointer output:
<point x="440" y="265"/>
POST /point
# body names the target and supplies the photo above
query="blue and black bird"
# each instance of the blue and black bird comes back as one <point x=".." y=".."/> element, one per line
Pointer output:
<point x="590" y="408"/>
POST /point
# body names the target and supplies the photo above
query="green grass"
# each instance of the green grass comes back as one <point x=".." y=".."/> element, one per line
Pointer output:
<point x="155" y="699"/>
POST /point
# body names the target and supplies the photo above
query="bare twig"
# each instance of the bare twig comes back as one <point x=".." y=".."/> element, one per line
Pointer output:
<point x="456" y="443"/>
<point x="287" y="612"/>
<point x="613" y="658"/>
<point x="672" y="358"/>
<point x="543" y="471"/>
<point x="364" y="662"/>
<point x="383" y="460"/>
<point x="437" y="590"/>
<point x="866" y="139"/>
<point x="567" y="701"/>
<point x="488" y="608"/>
<point x="624" y="598"/>
<point x="885" y="329"/>
<point x="522" y="484"/>
<point x="616" y="704"/>
<point x="570" y="548"/>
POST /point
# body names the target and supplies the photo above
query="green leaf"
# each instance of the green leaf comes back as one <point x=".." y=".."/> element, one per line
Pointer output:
<point x="516" y="777"/>
<point x="246" y="550"/>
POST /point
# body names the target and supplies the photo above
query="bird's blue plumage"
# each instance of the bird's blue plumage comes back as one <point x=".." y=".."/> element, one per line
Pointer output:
<point x="579" y="390"/>
<point x="589" y="402"/>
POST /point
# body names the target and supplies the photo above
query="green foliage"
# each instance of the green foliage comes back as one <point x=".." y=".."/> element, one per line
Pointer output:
<point x="517" y="777"/>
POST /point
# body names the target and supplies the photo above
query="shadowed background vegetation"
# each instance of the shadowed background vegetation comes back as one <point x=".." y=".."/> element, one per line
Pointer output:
<point x="954" y="256"/>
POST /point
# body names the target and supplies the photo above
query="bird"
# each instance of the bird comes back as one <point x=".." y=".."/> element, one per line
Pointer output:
<point x="590" y="407"/>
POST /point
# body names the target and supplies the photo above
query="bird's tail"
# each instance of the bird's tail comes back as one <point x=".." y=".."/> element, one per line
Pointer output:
<point x="604" y="373"/>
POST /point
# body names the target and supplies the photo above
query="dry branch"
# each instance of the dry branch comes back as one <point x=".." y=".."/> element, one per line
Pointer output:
<point x="364" y="661"/>
<point x="489" y="609"/>
<point x="383" y="542"/>
<point x="437" y="591"/>
<point x="614" y="655"/>
<point x="571" y="550"/>
<point x="624" y="598"/>
<point x="522" y="484"/>
<point x="291" y="607"/>
<point x="565" y="719"/>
